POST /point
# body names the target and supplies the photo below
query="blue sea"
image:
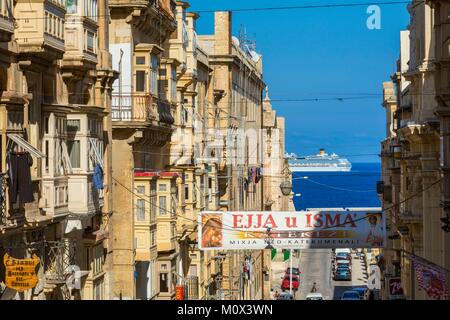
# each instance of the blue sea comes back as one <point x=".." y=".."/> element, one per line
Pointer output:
<point x="356" y="188"/>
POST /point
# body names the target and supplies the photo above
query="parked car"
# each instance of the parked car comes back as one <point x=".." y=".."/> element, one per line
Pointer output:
<point x="286" y="281"/>
<point x="343" y="263"/>
<point x="295" y="271"/>
<point x="343" y="256"/>
<point x="350" y="295"/>
<point x="343" y="250"/>
<point x="342" y="274"/>
<point x="314" y="296"/>
<point x="285" y="296"/>
<point x="343" y="268"/>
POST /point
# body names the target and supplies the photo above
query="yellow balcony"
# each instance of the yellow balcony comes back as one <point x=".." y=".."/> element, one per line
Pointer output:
<point x="6" y="22"/>
<point x="81" y="42"/>
<point x="40" y="27"/>
<point x="133" y="107"/>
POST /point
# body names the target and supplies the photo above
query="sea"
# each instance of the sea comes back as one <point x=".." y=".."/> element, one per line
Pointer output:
<point x="356" y="188"/>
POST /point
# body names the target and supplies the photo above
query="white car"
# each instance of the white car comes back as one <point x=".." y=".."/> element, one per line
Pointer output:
<point x="314" y="296"/>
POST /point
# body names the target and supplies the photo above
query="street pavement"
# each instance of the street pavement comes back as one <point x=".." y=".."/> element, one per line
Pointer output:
<point x="315" y="266"/>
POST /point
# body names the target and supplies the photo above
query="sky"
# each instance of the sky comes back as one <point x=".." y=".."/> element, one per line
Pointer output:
<point x="321" y="53"/>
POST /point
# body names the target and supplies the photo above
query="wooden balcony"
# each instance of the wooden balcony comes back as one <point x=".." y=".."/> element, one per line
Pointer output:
<point x="411" y="217"/>
<point x="80" y="43"/>
<point x="6" y="21"/>
<point x="133" y="108"/>
<point x="40" y="30"/>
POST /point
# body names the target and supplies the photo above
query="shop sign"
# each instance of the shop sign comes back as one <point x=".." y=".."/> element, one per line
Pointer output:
<point x="20" y="274"/>
<point x="395" y="288"/>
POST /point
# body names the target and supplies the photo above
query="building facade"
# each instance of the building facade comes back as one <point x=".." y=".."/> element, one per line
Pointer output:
<point x="56" y="78"/>
<point x="413" y="155"/>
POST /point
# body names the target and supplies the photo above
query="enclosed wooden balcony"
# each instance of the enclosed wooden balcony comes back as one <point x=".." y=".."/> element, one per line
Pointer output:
<point x="81" y="35"/>
<point x="6" y="21"/>
<point x="40" y="29"/>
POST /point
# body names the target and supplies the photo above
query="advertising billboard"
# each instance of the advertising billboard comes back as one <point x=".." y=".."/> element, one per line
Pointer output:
<point x="291" y="230"/>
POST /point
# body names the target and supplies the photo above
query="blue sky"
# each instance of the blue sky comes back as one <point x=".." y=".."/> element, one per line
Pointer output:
<point x="321" y="53"/>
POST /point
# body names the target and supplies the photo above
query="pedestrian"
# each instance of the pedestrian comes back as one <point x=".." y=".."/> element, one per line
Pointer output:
<point x="313" y="289"/>
<point x="371" y="295"/>
<point x="277" y="295"/>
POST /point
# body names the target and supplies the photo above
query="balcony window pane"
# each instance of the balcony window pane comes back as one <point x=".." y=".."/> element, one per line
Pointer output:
<point x="140" y="60"/>
<point x="163" y="282"/>
<point x="154" y="75"/>
<point x="71" y="6"/>
<point x="140" y="210"/>
<point x="73" y="125"/>
<point x="162" y="205"/>
<point x="73" y="147"/>
<point x="140" y="81"/>
<point x="90" y="41"/>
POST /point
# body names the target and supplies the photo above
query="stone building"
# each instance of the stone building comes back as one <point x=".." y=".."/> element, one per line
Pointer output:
<point x="145" y="248"/>
<point x="55" y="88"/>
<point x="413" y="153"/>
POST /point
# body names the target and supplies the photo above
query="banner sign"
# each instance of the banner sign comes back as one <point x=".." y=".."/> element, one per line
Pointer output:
<point x="20" y="274"/>
<point x="395" y="288"/>
<point x="291" y="230"/>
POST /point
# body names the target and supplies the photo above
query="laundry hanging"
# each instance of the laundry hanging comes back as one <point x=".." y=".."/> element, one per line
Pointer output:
<point x="97" y="178"/>
<point x="19" y="177"/>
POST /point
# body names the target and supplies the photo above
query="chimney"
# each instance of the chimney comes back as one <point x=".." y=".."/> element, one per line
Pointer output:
<point x="222" y="32"/>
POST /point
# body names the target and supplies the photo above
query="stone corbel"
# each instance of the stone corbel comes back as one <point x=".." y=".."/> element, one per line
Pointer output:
<point x="137" y="136"/>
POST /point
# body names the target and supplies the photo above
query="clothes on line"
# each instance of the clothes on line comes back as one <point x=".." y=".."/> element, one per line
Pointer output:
<point x="19" y="177"/>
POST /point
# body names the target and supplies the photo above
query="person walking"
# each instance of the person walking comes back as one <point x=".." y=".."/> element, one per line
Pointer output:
<point x="314" y="288"/>
<point x="277" y="295"/>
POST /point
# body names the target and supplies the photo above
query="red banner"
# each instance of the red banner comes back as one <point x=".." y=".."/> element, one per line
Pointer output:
<point x="179" y="292"/>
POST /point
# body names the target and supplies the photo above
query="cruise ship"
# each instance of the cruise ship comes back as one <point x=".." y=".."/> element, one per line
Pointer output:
<point x="322" y="162"/>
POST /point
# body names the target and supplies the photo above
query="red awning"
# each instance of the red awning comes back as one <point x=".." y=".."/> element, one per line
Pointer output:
<point x="165" y="174"/>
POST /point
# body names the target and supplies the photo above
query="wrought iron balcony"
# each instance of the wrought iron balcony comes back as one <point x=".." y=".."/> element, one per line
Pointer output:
<point x="59" y="256"/>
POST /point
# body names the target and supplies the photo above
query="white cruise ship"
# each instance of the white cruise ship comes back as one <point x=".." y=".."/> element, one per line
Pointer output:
<point x="322" y="162"/>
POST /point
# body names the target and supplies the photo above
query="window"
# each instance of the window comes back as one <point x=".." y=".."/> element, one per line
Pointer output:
<point x="140" y="189"/>
<point x="173" y="84"/>
<point x="90" y="39"/>
<point x="162" y="187"/>
<point x="186" y="192"/>
<point x="140" y="210"/>
<point x="163" y="282"/>
<point x="162" y="205"/>
<point x="73" y="125"/>
<point x="46" y="155"/>
<point x="140" y="60"/>
<point x="154" y="75"/>
<point x="73" y="147"/>
<point x="71" y="6"/>
<point x="193" y="270"/>
<point x="140" y="81"/>
<point x="46" y="124"/>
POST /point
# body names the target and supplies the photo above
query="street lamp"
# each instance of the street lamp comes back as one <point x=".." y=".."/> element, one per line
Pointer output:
<point x="286" y="185"/>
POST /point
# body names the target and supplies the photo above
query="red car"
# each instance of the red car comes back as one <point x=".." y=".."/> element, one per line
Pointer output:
<point x="286" y="281"/>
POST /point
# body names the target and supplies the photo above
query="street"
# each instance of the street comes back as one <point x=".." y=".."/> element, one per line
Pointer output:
<point x="315" y="266"/>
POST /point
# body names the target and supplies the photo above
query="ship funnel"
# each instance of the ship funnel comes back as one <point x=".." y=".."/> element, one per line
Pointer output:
<point x="322" y="152"/>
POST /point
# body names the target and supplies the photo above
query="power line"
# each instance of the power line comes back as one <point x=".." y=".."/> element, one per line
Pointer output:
<point x="322" y="6"/>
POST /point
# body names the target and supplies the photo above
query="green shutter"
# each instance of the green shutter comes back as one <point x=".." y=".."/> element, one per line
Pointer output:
<point x="286" y="254"/>
<point x="274" y="253"/>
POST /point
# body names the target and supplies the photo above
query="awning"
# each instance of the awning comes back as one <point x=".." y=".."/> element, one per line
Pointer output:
<point x="25" y="145"/>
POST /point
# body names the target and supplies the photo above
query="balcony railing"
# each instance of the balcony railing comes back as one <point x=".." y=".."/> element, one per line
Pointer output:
<point x="3" y="220"/>
<point x="132" y="107"/>
<point x="60" y="255"/>
<point x="409" y="216"/>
